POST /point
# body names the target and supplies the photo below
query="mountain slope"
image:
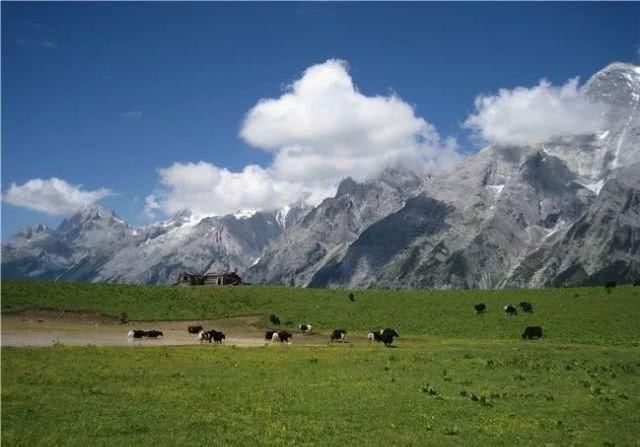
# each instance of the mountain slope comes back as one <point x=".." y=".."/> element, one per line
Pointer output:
<point x="562" y="212"/>
<point x="96" y="245"/>
<point x="510" y="211"/>
<point x="325" y="233"/>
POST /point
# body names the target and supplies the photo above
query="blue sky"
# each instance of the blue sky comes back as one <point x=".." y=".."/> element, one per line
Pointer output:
<point x="104" y="94"/>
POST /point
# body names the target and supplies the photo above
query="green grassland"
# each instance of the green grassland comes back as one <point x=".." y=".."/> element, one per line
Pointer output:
<point x="454" y="378"/>
<point x="575" y="315"/>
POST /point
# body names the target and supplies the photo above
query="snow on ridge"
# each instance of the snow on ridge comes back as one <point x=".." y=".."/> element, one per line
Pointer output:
<point x="497" y="189"/>
<point x="255" y="262"/>
<point x="245" y="213"/>
<point x="595" y="187"/>
<point x="561" y="224"/>
<point x="603" y="135"/>
<point x="281" y="215"/>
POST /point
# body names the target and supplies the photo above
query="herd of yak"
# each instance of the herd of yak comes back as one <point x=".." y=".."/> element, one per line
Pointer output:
<point x="385" y="336"/>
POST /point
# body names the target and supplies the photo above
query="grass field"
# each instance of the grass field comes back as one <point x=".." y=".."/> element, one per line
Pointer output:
<point x="577" y="315"/>
<point x="454" y="378"/>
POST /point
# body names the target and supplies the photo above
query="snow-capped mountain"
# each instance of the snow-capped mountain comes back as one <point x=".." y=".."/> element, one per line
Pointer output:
<point x="566" y="212"/>
<point x="563" y="212"/>
<point x="96" y="245"/>
<point x="325" y="233"/>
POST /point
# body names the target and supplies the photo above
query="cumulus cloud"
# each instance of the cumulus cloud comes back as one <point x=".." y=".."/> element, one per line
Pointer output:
<point x="53" y="196"/>
<point x="206" y="189"/>
<point x="529" y="116"/>
<point x="323" y="129"/>
<point x="319" y="131"/>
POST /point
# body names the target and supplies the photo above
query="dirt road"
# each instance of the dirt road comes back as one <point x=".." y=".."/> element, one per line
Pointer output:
<point x="48" y="328"/>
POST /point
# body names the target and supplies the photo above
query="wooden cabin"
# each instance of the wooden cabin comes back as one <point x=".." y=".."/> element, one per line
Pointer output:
<point x="222" y="279"/>
<point x="208" y="279"/>
<point x="190" y="279"/>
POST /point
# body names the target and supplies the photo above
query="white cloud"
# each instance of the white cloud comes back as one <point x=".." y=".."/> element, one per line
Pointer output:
<point x="53" y="196"/>
<point x="206" y="189"/>
<point x="529" y="116"/>
<point x="321" y="130"/>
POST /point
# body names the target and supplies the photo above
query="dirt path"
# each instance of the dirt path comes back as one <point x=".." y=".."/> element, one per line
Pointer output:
<point x="44" y="328"/>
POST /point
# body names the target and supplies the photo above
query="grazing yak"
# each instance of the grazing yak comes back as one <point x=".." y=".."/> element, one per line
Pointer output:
<point x="216" y="336"/>
<point x="194" y="329"/>
<point x="153" y="333"/>
<point x="532" y="332"/>
<point x="269" y="335"/>
<point x="386" y="336"/>
<point x="274" y="319"/>
<point x="205" y="336"/>
<point x="136" y="333"/>
<point x="284" y="336"/>
<point x="510" y="310"/>
<point x="305" y="328"/>
<point x="526" y="307"/>
<point x="338" y="335"/>
<point x="275" y="336"/>
<point x="480" y="308"/>
<point x="211" y="336"/>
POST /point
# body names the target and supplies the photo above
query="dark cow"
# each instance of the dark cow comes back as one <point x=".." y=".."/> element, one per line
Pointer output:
<point x="532" y="332"/>
<point x="205" y="336"/>
<point x="352" y="298"/>
<point x="136" y="333"/>
<point x="338" y="335"/>
<point x="526" y="307"/>
<point x="211" y="336"/>
<point x="274" y="319"/>
<point x="194" y="329"/>
<point x="269" y="334"/>
<point x="217" y="336"/>
<point x="305" y="328"/>
<point x="374" y="334"/>
<point x="510" y="310"/>
<point x="386" y="336"/>
<point x="480" y="308"/>
<point x="153" y="333"/>
<point x="284" y="336"/>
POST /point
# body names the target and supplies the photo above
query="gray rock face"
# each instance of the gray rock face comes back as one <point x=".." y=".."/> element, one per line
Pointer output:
<point x="602" y="245"/>
<point x="519" y="216"/>
<point x="96" y="245"/>
<point x="563" y="212"/>
<point x="326" y="232"/>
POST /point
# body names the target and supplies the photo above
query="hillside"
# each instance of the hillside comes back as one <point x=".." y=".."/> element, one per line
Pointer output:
<point x="563" y="212"/>
<point x="580" y="315"/>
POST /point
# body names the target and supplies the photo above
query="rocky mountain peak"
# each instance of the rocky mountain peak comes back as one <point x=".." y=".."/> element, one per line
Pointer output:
<point x="562" y="212"/>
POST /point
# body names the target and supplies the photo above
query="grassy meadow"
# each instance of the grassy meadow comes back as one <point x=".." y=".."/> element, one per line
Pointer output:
<point x="454" y="378"/>
<point x="576" y="315"/>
